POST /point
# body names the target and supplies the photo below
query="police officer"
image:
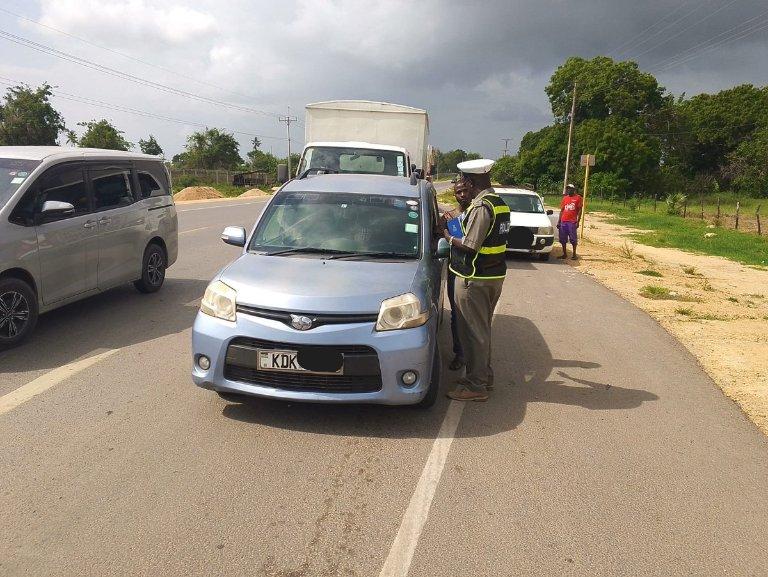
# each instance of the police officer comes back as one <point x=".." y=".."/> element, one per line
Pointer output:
<point x="478" y="261"/>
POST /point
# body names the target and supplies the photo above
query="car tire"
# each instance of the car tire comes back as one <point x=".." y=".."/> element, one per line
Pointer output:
<point x="153" y="267"/>
<point x="18" y="312"/>
<point x="544" y="256"/>
<point x="434" y="383"/>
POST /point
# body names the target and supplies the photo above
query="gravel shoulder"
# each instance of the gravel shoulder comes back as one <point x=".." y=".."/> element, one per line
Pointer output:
<point x="716" y="308"/>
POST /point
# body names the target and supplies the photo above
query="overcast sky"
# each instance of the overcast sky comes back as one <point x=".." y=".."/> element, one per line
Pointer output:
<point x="478" y="68"/>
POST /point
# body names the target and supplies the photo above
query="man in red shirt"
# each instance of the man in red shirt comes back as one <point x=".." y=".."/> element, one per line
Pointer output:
<point x="568" y="221"/>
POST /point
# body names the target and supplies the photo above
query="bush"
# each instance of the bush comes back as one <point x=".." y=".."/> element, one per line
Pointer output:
<point x="186" y="180"/>
<point x="675" y="202"/>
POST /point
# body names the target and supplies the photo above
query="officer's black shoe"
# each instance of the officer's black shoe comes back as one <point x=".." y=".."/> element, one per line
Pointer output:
<point x="456" y="363"/>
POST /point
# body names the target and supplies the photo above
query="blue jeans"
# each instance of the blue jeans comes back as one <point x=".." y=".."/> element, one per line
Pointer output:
<point x="457" y="350"/>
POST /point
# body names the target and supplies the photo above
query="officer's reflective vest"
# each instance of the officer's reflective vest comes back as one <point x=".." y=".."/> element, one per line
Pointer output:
<point x="488" y="262"/>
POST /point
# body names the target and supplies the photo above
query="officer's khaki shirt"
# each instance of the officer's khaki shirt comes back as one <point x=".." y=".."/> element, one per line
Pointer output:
<point x="478" y="222"/>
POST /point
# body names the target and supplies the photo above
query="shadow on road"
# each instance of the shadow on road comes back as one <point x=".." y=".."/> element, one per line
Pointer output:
<point x="114" y="319"/>
<point x="524" y="369"/>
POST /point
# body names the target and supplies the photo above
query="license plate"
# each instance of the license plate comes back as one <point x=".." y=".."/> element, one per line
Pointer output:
<point x="280" y="361"/>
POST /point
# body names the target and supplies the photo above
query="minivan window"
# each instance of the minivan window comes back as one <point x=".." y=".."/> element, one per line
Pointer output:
<point x="111" y="187"/>
<point x="148" y="185"/>
<point x="65" y="183"/>
<point x="366" y="223"/>
<point x="13" y="173"/>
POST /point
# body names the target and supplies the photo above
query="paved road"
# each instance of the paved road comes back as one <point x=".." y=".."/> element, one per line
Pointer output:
<point x="604" y="451"/>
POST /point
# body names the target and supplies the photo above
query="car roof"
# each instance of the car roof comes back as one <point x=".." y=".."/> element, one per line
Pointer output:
<point x="356" y="183"/>
<point x="64" y="152"/>
<point x="520" y="191"/>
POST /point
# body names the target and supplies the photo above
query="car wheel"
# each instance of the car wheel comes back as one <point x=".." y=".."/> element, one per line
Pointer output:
<point x="544" y="256"/>
<point x="18" y="312"/>
<point x="152" y="270"/>
<point x="434" y="383"/>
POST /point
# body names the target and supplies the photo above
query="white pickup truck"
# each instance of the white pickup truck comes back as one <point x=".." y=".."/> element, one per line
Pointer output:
<point x="363" y="137"/>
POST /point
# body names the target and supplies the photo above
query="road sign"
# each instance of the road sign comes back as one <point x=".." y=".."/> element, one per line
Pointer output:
<point x="587" y="160"/>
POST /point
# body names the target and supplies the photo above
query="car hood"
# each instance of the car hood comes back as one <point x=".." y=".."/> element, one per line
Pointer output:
<point x="529" y="219"/>
<point x="315" y="285"/>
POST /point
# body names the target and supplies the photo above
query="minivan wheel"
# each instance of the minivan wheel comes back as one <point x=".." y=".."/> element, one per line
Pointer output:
<point x="434" y="383"/>
<point x="152" y="270"/>
<point x="18" y="312"/>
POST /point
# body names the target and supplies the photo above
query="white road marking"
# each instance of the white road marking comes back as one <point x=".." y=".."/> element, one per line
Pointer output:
<point x="401" y="553"/>
<point x="42" y="383"/>
<point x="222" y="206"/>
<point x="194" y="229"/>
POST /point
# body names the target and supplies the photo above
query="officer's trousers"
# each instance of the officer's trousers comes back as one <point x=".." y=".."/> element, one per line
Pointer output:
<point x="475" y="302"/>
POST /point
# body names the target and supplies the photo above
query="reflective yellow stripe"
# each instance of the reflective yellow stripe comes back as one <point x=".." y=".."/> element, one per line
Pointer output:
<point x="492" y="249"/>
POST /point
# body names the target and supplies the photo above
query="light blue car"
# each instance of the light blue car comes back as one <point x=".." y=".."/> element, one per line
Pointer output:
<point x="336" y="298"/>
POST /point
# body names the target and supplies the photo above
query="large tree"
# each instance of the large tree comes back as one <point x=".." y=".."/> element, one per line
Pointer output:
<point x="100" y="134"/>
<point x="212" y="148"/>
<point x="28" y="118"/>
<point x="150" y="146"/>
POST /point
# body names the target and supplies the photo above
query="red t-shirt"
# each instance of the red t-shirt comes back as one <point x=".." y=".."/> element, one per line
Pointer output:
<point x="570" y="208"/>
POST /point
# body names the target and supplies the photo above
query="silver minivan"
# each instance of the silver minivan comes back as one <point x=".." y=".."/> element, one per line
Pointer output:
<point x="75" y="222"/>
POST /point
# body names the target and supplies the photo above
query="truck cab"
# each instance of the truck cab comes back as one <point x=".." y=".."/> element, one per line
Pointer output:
<point x="354" y="158"/>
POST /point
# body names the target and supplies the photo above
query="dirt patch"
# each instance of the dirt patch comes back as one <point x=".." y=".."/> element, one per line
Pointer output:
<point x="717" y="308"/>
<point x="197" y="193"/>
<point x="253" y="192"/>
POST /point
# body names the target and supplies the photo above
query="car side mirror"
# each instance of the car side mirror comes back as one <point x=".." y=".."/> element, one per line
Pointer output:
<point x="53" y="209"/>
<point x="550" y="212"/>
<point x="443" y="249"/>
<point x="234" y="235"/>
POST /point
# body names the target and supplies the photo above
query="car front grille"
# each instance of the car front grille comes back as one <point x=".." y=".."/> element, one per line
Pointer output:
<point x="318" y="320"/>
<point x="362" y="373"/>
<point x="521" y="237"/>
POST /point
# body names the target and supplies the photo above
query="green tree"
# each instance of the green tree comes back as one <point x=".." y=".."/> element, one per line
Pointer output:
<point x="505" y="171"/>
<point x="28" y="118"/>
<point x="605" y="88"/>
<point x="542" y="154"/>
<point x="100" y="134"/>
<point x="747" y="166"/>
<point x="150" y="146"/>
<point x="212" y="148"/>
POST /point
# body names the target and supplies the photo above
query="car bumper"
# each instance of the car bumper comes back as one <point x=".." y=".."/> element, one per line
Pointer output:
<point x="542" y="244"/>
<point x="397" y="352"/>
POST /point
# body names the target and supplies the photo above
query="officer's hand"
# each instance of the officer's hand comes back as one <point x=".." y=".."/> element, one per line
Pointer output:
<point x="446" y="234"/>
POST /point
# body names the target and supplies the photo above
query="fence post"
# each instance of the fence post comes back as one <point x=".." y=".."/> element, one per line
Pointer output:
<point x="655" y="200"/>
<point x="701" y="197"/>
<point x="738" y="208"/>
<point x="685" y="207"/>
<point x="757" y="214"/>
<point x="718" y="210"/>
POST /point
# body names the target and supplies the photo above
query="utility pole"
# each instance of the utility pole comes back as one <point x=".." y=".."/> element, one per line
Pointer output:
<point x="506" y="145"/>
<point x="288" y="119"/>
<point x="570" y="138"/>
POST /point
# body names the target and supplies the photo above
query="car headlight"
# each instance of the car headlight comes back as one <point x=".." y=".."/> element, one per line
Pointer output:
<point x="403" y="312"/>
<point x="219" y="301"/>
<point x="546" y="230"/>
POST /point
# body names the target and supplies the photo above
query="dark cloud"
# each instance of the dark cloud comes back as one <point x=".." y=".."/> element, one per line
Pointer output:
<point x="479" y="68"/>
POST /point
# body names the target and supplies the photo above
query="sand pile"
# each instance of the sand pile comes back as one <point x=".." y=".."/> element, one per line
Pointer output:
<point x="253" y="192"/>
<point x="197" y="193"/>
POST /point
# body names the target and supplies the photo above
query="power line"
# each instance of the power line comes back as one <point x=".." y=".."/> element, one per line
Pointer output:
<point x="120" y="108"/>
<point x="506" y="145"/>
<point x="123" y="75"/>
<point x="669" y="38"/>
<point x="662" y="29"/>
<point x="123" y="54"/>
<point x="624" y="47"/>
<point x="288" y="119"/>
<point x="708" y="45"/>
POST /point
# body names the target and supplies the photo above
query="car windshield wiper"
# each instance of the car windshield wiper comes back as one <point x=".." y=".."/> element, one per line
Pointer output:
<point x="307" y="250"/>
<point x="375" y="255"/>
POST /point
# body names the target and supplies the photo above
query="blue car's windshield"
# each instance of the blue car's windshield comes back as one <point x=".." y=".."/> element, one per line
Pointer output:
<point x="13" y="173"/>
<point x="334" y="221"/>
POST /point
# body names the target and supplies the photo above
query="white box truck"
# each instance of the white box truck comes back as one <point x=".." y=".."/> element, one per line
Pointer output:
<point x="361" y="136"/>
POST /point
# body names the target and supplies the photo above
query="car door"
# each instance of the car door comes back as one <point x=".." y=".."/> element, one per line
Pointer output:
<point x="68" y="254"/>
<point x="121" y="223"/>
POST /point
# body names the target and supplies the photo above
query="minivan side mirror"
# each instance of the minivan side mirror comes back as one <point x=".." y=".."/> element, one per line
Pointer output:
<point x="234" y="235"/>
<point x="282" y="173"/>
<point x="443" y="249"/>
<point x="53" y="209"/>
<point x="550" y="212"/>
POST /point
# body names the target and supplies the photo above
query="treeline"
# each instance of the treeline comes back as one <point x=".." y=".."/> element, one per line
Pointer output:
<point x="647" y="142"/>
<point x="27" y="118"/>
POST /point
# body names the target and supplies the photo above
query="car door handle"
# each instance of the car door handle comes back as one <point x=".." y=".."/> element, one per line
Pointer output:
<point x="89" y="224"/>
<point x="105" y="220"/>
